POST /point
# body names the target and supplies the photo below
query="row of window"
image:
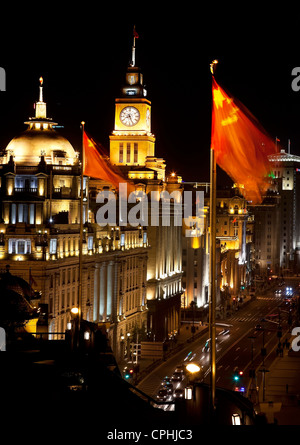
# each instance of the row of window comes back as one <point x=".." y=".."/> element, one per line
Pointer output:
<point x="22" y="213"/>
<point x="23" y="246"/>
<point x="128" y="152"/>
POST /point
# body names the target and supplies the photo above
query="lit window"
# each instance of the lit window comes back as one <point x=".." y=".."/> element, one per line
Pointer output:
<point x="123" y="239"/>
<point x="135" y="152"/>
<point x="128" y="153"/>
<point x="121" y="152"/>
<point x="20" y="246"/>
<point x="144" y="237"/>
<point x="53" y="246"/>
<point x="90" y="243"/>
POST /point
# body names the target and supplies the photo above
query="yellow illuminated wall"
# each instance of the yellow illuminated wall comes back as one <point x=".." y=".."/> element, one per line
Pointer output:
<point x="144" y="108"/>
<point x="145" y="148"/>
<point x="137" y="136"/>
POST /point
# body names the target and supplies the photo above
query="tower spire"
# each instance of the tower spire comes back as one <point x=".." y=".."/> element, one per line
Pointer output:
<point x="135" y="36"/>
<point x="41" y="89"/>
<point x="40" y="106"/>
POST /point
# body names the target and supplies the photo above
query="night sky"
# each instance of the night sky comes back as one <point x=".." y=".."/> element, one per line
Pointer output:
<point x="83" y="52"/>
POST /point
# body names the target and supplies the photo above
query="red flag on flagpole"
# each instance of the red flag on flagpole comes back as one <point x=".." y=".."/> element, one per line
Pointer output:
<point x="240" y="144"/>
<point x="97" y="165"/>
<point x="135" y="34"/>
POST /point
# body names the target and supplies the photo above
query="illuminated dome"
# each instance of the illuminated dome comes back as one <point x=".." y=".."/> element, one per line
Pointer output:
<point x="28" y="147"/>
<point x="41" y="139"/>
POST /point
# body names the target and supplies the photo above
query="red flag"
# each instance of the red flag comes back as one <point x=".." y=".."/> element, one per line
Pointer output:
<point x="241" y="145"/>
<point x="97" y="165"/>
<point x="135" y="34"/>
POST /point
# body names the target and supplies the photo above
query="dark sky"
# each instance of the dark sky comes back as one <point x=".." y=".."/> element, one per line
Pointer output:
<point x="82" y="53"/>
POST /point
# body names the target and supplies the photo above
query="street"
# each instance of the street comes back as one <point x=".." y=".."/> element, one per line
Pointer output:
<point x="238" y="350"/>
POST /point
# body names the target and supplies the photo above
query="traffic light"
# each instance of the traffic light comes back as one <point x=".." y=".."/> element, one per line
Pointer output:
<point x="128" y="372"/>
<point x="237" y="375"/>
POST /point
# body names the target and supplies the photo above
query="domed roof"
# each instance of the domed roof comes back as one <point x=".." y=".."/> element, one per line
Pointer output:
<point x="28" y="147"/>
<point x="40" y="138"/>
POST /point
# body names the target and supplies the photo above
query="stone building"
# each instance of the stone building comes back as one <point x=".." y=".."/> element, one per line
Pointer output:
<point x="39" y="235"/>
<point x="132" y="150"/>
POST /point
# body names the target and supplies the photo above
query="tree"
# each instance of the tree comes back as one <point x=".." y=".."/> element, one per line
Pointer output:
<point x="138" y="333"/>
<point x="15" y="309"/>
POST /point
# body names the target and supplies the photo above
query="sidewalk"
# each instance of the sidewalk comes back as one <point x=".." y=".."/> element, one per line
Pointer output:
<point x="282" y="390"/>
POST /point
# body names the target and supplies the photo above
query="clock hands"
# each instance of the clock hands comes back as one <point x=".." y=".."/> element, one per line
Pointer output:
<point x="129" y="116"/>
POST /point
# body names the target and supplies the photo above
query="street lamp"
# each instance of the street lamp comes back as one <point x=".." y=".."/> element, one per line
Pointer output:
<point x="188" y="392"/>
<point x="75" y="331"/>
<point x="75" y="311"/>
<point x="193" y="368"/>
<point x="236" y="419"/>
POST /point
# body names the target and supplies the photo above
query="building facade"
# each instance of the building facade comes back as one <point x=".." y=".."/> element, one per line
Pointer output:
<point x="132" y="150"/>
<point x="276" y="232"/>
<point x="40" y="175"/>
<point x="286" y="182"/>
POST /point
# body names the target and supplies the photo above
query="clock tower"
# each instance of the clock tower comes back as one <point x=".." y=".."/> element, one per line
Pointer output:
<point x="132" y="145"/>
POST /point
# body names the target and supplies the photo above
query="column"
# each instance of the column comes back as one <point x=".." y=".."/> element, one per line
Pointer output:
<point x="102" y="296"/>
<point x="96" y="293"/>
<point x="110" y="285"/>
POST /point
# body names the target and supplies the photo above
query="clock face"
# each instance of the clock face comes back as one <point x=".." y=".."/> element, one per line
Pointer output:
<point x="129" y="116"/>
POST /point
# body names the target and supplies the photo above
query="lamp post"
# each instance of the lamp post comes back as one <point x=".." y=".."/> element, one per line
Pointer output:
<point x="75" y="329"/>
<point x="194" y="372"/>
<point x="252" y="389"/>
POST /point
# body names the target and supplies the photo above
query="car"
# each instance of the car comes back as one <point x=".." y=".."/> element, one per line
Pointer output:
<point x="206" y="346"/>
<point x="278" y="292"/>
<point x="162" y="395"/>
<point x="179" y="368"/>
<point x="169" y="387"/>
<point x="166" y="380"/>
<point x="224" y="332"/>
<point x="177" y="377"/>
<point x="258" y="327"/>
<point x="178" y="393"/>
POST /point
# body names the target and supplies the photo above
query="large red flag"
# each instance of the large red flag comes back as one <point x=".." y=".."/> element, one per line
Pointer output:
<point x="240" y="143"/>
<point x="97" y="165"/>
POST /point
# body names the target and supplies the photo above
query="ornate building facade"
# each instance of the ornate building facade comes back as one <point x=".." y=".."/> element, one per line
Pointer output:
<point x="132" y="150"/>
<point x="40" y="224"/>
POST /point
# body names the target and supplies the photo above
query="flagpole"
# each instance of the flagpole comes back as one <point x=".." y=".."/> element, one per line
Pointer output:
<point x="133" y="49"/>
<point x="212" y="306"/>
<point x="81" y="233"/>
<point x="212" y="267"/>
